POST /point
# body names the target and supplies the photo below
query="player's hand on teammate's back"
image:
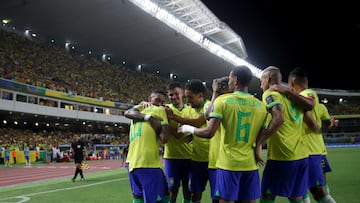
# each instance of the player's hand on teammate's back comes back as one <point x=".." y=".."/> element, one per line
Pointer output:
<point x="169" y="112"/>
<point x="258" y="156"/>
<point x="278" y="88"/>
<point x="145" y="104"/>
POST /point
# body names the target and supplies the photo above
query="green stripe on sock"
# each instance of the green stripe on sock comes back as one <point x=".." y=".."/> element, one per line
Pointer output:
<point x="137" y="200"/>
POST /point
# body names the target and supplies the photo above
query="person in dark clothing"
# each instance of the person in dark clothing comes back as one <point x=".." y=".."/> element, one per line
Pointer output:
<point x="78" y="150"/>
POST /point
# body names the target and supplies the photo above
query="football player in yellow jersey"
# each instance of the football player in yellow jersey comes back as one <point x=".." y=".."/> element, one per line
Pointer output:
<point x="194" y="93"/>
<point x="328" y="122"/>
<point x="312" y="135"/>
<point x="286" y="170"/>
<point x="242" y="116"/>
<point x="220" y="86"/>
<point x="178" y="151"/>
<point x="148" y="128"/>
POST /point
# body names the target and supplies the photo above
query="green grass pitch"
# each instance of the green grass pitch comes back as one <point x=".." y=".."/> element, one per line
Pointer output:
<point x="113" y="186"/>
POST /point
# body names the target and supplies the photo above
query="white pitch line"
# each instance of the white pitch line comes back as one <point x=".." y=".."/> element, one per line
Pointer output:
<point x="25" y="198"/>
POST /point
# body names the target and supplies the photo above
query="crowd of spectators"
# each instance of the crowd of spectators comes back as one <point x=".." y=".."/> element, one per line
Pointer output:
<point x="19" y="139"/>
<point x="52" y="67"/>
<point x="51" y="141"/>
<point x="49" y="66"/>
<point x="343" y="109"/>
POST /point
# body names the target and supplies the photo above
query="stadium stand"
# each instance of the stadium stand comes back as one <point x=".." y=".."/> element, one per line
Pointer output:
<point x="47" y="94"/>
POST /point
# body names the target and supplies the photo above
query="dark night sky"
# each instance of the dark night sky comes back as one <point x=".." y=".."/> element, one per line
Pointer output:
<point x="322" y="38"/>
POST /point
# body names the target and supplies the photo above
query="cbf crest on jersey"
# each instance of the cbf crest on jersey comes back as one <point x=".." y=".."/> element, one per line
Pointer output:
<point x="269" y="99"/>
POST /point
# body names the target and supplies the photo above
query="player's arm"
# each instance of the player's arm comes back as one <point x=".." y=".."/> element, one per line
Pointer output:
<point x="164" y="134"/>
<point x="135" y="115"/>
<point x="197" y="122"/>
<point x="173" y="131"/>
<point x="305" y="103"/>
<point x="211" y="106"/>
<point x="311" y="122"/>
<point x="258" y="150"/>
<point x="277" y="119"/>
<point x="331" y="123"/>
<point x="207" y="132"/>
<point x="215" y="94"/>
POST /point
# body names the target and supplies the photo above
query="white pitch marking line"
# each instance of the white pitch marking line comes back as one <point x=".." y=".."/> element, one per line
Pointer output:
<point x="25" y="198"/>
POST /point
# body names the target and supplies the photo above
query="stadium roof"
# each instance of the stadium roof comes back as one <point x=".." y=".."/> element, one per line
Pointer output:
<point x="124" y="32"/>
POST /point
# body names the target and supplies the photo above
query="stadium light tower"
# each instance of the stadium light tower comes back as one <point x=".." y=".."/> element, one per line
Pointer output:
<point x="191" y="32"/>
